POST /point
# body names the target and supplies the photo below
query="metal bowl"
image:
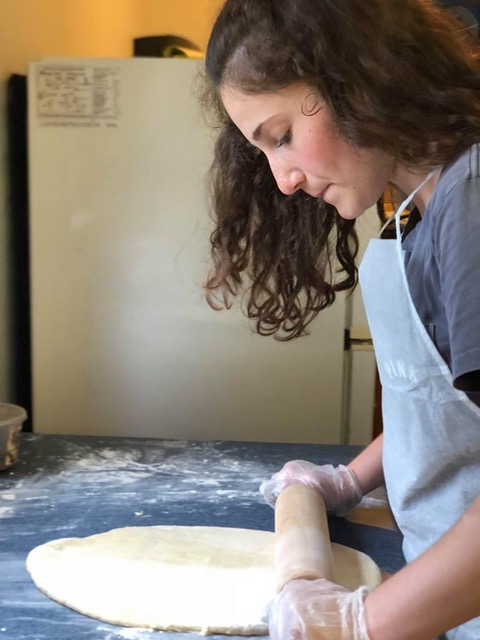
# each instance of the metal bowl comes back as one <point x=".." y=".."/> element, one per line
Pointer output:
<point x="12" y="418"/>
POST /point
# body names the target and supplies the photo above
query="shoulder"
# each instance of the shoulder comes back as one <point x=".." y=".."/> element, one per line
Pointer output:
<point x="461" y="173"/>
<point x="456" y="199"/>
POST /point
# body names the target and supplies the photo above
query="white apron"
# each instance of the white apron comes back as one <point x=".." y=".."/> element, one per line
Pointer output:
<point x="431" y="450"/>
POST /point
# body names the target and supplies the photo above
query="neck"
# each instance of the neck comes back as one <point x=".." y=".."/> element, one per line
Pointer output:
<point x="408" y="181"/>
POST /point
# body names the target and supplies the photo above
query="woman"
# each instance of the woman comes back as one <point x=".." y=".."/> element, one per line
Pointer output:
<point x="323" y="104"/>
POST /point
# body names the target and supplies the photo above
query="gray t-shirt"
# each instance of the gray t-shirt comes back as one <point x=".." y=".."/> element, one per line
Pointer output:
<point x="442" y="258"/>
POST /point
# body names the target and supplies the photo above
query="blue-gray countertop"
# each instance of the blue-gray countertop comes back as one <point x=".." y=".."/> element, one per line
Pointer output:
<point x="74" y="486"/>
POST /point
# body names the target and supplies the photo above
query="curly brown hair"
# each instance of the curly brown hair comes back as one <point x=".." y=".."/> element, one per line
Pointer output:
<point x="400" y="76"/>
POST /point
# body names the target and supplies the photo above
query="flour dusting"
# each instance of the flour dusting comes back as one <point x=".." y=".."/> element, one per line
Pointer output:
<point x="179" y="469"/>
<point x="129" y="633"/>
<point x="154" y="480"/>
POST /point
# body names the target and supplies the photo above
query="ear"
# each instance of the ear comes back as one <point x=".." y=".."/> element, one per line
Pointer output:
<point x="311" y="104"/>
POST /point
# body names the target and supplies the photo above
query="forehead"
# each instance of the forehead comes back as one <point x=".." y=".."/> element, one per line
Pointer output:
<point x="249" y="108"/>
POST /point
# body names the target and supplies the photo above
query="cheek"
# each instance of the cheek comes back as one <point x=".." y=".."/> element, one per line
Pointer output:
<point x="322" y="149"/>
<point x="316" y="154"/>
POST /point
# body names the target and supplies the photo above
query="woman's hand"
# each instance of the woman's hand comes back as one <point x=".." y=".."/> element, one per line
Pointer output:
<point x="338" y="486"/>
<point x="318" y="610"/>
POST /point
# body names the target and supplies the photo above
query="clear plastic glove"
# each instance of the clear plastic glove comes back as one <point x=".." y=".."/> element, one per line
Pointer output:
<point x="318" y="610"/>
<point x="338" y="486"/>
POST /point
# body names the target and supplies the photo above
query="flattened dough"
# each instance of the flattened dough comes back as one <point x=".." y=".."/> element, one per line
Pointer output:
<point x="203" y="579"/>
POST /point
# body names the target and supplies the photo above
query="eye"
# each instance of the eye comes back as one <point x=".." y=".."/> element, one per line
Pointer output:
<point x="286" y="139"/>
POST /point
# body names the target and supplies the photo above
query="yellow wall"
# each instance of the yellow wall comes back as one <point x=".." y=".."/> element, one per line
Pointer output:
<point x="32" y="29"/>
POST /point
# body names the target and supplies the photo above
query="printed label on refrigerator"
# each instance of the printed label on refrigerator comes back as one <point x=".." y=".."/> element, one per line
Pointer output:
<point x="78" y="95"/>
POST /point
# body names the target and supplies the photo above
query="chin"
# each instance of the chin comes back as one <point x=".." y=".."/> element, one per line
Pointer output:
<point x="349" y="214"/>
<point x="353" y="210"/>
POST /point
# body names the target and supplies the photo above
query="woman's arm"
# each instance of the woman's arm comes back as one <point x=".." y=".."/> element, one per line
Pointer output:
<point x="438" y="591"/>
<point x="368" y="467"/>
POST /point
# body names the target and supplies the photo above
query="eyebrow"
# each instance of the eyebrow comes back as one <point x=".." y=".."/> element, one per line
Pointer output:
<point x="257" y="134"/>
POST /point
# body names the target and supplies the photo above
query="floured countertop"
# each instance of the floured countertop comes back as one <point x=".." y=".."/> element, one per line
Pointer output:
<point x="75" y="486"/>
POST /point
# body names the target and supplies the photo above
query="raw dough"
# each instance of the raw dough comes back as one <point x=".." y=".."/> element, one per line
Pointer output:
<point x="204" y="579"/>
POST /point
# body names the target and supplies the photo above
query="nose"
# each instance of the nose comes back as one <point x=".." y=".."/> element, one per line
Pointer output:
<point x="288" y="179"/>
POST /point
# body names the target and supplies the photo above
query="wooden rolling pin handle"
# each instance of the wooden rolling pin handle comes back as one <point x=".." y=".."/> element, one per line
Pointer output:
<point x="302" y="541"/>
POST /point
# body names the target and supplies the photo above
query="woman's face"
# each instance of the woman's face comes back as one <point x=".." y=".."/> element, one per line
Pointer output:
<point x="305" y="152"/>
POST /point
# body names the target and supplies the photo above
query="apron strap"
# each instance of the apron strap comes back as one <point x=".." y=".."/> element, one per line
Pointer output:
<point x="403" y="206"/>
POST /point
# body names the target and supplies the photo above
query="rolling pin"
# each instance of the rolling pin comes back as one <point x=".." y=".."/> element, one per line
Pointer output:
<point x="302" y="540"/>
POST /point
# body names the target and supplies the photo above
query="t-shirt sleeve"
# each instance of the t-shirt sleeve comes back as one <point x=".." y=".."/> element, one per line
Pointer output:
<point x="457" y="242"/>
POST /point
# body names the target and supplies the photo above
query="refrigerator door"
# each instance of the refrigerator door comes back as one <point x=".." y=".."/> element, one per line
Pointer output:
<point x="123" y="341"/>
<point x="360" y="364"/>
<point x="361" y="401"/>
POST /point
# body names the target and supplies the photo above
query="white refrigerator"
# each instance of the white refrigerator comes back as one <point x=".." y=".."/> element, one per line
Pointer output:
<point x="123" y="340"/>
